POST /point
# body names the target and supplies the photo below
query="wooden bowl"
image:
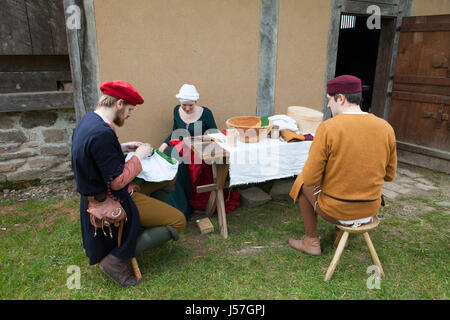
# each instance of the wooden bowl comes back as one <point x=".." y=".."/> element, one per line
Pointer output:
<point x="249" y="128"/>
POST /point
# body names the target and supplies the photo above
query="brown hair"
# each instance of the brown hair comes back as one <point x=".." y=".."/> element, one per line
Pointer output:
<point x="355" y="98"/>
<point x="107" y="101"/>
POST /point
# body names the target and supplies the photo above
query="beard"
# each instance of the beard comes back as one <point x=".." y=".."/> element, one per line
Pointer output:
<point x="119" y="119"/>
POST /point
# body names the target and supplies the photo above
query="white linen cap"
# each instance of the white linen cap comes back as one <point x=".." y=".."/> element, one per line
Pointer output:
<point x="187" y="93"/>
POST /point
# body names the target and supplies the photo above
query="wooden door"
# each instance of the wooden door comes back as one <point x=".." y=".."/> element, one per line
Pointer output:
<point x="420" y="104"/>
<point x="33" y="49"/>
<point x="32" y="27"/>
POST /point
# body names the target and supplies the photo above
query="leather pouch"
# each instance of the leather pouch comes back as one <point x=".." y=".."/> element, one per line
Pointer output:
<point x="106" y="213"/>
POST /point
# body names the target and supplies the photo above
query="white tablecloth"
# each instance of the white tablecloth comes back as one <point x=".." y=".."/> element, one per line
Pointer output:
<point x="265" y="160"/>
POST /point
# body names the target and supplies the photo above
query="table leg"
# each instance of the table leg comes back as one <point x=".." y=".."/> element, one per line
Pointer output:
<point x="222" y="171"/>
<point x="211" y="206"/>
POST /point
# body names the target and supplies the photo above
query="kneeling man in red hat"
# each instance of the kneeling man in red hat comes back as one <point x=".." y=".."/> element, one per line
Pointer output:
<point x="352" y="155"/>
<point x="98" y="162"/>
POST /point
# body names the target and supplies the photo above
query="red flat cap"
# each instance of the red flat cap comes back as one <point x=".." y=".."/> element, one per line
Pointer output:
<point x="122" y="90"/>
<point x="344" y="84"/>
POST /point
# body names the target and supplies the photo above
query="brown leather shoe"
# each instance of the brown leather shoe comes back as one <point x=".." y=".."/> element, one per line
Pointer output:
<point x="307" y="245"/>
<point x="117" y="270"/>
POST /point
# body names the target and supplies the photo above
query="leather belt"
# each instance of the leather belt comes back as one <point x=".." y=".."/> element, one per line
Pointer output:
<point x="102" y="196"/>
<point x="346" y="200"/>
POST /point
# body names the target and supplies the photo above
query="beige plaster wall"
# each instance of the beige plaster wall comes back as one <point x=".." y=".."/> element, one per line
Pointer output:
<point x="157" y="45"/>
<point x="430" y="7"/>
<point x="302" y="53"/>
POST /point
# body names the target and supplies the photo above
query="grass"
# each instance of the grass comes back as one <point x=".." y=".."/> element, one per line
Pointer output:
<point x="39" y="240"/>
<point x="19" y="184"/>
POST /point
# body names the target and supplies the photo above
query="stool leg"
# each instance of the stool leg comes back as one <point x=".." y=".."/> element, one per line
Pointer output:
<point x="373" y="253"/>
<point x="336" y="257"/>
<point x="136" y="270"/>
<point x="338" y="238"/>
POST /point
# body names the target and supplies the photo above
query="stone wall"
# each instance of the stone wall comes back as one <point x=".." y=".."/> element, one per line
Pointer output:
<point x="36" y="145"/>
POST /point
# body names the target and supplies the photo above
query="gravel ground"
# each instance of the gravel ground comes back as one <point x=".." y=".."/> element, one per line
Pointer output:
<point x="65" y="189"/>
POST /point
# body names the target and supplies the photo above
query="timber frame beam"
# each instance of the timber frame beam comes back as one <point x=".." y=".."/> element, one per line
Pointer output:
<point x="82" y="46"/>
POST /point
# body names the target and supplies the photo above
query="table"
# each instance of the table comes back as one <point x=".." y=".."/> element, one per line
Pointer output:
<point x="290" y="158"/>
<point x="218" y="159"/>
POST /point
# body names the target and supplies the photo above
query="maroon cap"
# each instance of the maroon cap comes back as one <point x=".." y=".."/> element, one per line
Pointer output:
<point x="344" y="84"/>
<point x="120" y="89"/>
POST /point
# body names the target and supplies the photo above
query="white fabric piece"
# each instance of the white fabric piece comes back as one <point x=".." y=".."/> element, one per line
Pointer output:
<point x="187" y="92"/>
<point x="155" y="168"/>
<point x="284" y="122"/>
<point x="357" y="222"/>
<point x="265" y="160"/>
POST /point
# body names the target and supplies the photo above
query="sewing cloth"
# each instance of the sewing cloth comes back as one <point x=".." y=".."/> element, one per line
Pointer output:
<point x="265" y="160"/>
<point x="157" y="167"/>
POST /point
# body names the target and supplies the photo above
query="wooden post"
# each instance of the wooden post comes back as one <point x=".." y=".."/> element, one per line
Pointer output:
<point x="267" y="57"/>
<point x="82" y="47"/>
<point x="73" y="47"/>
<point x="90" y="68"/>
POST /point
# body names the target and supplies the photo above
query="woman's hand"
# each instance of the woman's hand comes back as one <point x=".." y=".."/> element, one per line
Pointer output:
<point x="163" y="148"/>
<point x="131" y="146"/>
<point x="143" y="151"/>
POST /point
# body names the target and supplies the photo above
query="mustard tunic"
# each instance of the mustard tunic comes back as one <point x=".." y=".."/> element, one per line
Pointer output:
<point x="351" y="157"/>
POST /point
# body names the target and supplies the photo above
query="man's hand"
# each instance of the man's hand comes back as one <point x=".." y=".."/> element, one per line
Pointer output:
<point x="143" y="151"/>
<point x="131" y="146"/>
<point x="163" y="148"/>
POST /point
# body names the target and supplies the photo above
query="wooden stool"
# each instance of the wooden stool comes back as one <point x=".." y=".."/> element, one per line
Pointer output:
<point x="136" y="270"/>
<point x="341" y="239"/>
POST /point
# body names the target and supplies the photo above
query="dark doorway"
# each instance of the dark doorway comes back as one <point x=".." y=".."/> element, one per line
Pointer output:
<point x="357" y="53"/>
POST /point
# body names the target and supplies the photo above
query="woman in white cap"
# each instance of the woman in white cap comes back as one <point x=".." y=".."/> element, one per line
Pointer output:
<point x="187" y="115"/>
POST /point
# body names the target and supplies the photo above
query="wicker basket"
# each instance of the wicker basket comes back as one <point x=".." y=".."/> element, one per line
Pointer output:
<point x="249" y="128"/>
<point x="307" y="119"/>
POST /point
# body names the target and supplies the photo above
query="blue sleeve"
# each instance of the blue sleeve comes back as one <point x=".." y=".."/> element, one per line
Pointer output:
<point x="108" y="156"/>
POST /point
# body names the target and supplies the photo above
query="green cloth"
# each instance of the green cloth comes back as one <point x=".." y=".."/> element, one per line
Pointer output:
<point x="264" y="121"/>
<point x="179" y="198"/>
<point x="163" y="155"/>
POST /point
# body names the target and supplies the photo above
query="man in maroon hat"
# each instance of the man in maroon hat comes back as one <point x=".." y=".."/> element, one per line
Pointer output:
<point x="352" y="155"/>
<point x="100" y="170"/>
